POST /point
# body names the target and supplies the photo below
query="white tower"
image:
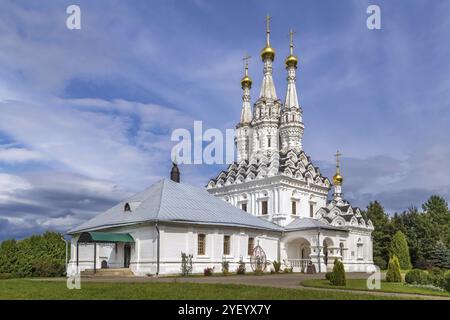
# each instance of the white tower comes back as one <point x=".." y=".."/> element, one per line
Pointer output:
<point x="291" y="122"/>
<point x="243" y="127"/>
<point x="264" y="137"/>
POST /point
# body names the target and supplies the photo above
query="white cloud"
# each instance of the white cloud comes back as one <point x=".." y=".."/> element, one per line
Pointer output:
<point x="19" y="155"/>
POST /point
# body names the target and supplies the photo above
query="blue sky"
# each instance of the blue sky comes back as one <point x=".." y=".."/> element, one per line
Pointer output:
<point x="86" y="115"/>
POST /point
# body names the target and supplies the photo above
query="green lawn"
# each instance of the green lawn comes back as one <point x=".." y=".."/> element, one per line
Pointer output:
<point x="29" y="289"/>
<point x="360" y="284"/>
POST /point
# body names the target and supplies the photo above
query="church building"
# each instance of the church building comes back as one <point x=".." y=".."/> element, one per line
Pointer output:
<point x="272" y="197"/>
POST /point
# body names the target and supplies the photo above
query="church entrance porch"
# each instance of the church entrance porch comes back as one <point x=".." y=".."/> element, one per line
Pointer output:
<point x="109" y="252"/>
<point x="298" y="254"/>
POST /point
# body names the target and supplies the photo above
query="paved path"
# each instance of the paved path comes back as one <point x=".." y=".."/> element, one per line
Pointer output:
<point x="291" y="281"/>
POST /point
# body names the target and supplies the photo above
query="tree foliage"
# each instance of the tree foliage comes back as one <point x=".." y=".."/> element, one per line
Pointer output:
<point x="399" y="248"/>
<point x="337" y="277"/>
<point x="38" y="255"/>
<point x="393" y="272"/>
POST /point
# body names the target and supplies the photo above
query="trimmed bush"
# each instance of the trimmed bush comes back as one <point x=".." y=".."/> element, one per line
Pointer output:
<point x="417" y="276"/>
<point x="437" y="276"/>
<point x="446" y="282"/>
<point x="338" y="274"/>
<point x="276" y="266"/>
<point x="393" y="272"/>
<point x="328" y="275"/>
<point x="399" y="248"/>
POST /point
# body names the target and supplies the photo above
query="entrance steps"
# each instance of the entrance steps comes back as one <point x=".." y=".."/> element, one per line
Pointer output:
<point x="119" y="272"/>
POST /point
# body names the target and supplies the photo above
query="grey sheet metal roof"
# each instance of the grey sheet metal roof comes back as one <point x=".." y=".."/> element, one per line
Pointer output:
<point x="309" y="223"/>
<point x="168" y="201"/>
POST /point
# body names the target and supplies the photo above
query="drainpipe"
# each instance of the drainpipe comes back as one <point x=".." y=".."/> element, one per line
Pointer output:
<point x="157" y="249"/>
<point x="318" y="249"/>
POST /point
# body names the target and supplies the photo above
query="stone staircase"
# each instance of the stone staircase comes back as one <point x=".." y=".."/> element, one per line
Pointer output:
<point x="122" y="272"/>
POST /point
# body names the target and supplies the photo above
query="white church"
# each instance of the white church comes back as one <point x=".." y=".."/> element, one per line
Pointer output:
<point x="272" y="198"/>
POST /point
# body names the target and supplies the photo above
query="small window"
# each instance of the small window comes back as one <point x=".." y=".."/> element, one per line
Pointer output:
<point x="311" y="210"/>
<point x="294" y="207"/>
<point x="127" y="207"/>
<point x="264" y="207"/>
<point x="251" y="246"/>
<point x="226" y="245"/>
<point x="201" y="245"/>
<point x="244" y="207"/>
<point x="268" y="142"/>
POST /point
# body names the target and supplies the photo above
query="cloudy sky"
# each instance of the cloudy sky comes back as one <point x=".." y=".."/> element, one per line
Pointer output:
<point x="86" y="115"/>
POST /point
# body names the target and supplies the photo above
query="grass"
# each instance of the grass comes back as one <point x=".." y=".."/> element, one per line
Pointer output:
<point x="360" y="284"/>
<point x="37" y="290"/>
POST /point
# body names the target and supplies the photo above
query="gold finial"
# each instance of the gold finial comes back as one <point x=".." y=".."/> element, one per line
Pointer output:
<point x="291" y="60"/>
<point x="268" y="51"/>
<point x="338" y="179"/>
<point x="246" y="81"/>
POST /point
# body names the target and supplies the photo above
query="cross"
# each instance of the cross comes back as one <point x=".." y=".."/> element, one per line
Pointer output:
<point x="291" y="37"/>
<point x="268" y="23"/>
<point x="245" y="59"/>
<point x="337" y="155"/>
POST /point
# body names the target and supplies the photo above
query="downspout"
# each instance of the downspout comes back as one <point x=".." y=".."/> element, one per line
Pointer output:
<point x="157" y="249"/>
<point x="318" y="249"/>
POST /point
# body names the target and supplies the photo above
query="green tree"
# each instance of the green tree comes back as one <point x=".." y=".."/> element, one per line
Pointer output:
<point x="382" y="233"/>
<point x="437" y="208"/>
<point x="399" y="248"/>
<point x="393" y="272"/>
<point x="440" y="256"/>
<point x="8" y="256"/>
<point x="337" y="277"/>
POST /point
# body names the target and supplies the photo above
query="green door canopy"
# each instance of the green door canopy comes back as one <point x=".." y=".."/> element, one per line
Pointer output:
<point x="107" y="237"/>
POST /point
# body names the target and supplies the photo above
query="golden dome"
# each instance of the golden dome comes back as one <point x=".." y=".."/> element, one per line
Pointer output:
<point x="269" y="52"/>
<point x="338" y="179"/>
<point x="246" y="81"/>
<point x="291" y="60"/>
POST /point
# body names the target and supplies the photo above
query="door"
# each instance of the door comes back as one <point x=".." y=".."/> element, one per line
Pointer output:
<point x="126" y="256"/>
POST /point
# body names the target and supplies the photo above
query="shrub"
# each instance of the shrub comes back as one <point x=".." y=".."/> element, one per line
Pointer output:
<point x="393" y="272"/>
<point x="186" y="264"/>
<point x="328" y="275"/>
<point x="446" y="281"/>
<point x="417" y="276"/>
<point x="225" y="266"/>
<point x="241" y="267"/>
<point x="48" y="267"/>
<point x="208" y="271"/>
<point x="276" y="266"/>
<point x="287" y="270"/>
<point x="6" y="276"/>
<point x="400" y="249"/>
<point x="338" y="275"/>
<point x="437" y="276"/>
<point x="380" y="262"/>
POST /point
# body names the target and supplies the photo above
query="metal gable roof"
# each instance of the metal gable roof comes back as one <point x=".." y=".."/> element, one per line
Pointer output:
<point x="168" y="201"/>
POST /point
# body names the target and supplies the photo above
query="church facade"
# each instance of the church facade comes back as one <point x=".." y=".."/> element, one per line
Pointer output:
<point x="272" y="197"/>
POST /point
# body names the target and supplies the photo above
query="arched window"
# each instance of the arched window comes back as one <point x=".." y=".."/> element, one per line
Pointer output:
<point x="127" y="207"/>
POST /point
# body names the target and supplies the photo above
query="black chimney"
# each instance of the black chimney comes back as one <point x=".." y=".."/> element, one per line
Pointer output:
<point x="175" y="173"/>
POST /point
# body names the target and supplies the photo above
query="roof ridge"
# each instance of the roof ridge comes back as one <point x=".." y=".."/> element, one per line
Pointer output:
<point x="163" y="181"/>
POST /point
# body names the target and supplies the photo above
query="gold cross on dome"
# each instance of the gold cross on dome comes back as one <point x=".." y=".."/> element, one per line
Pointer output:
<point x="268" y="23"/>
<point x="245" y="59"/>
<point x="337" y="155"/>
